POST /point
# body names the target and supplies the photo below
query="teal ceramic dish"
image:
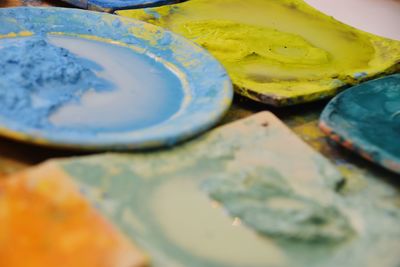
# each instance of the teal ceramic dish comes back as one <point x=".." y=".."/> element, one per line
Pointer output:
<point x="366" y="119"/>
<point x="145" y="87"/>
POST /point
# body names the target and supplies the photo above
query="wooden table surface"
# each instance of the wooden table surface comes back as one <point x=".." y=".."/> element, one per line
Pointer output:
<point x="302" y="119"/>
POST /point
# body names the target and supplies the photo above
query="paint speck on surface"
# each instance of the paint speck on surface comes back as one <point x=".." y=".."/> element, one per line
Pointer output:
<point x="360" y="75"/>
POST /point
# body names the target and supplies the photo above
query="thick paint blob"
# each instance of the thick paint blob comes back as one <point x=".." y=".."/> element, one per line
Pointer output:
<point x="366" y="118"/>
<point x="271" y="207"/>
<point x="278" y="52"/>
<point x="36" y="78"/>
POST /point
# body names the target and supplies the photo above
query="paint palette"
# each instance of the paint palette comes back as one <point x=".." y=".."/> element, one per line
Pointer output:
<point x="128" y="84"/>
<point x="278" y="52"/>
<point x="251" y="182"/>
<point x="366" y="119"/>
<point x="111" y="5"/>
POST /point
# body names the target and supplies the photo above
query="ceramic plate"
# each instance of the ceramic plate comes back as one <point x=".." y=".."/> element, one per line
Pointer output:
<point x="164" y="89"/>
<point x="109" y="6"/>
<point x="366" y="119"/>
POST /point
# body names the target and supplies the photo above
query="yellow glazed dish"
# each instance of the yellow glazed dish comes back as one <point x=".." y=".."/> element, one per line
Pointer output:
<point x="278" y="52"/>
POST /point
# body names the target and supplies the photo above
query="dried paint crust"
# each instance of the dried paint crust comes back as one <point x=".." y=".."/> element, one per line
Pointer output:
<point x="36" y="67"/>
<point x="269" y="205"/>
<point x="159" y="199"/>
<point x="46" y="222"/>
<point x="366" y="119"/>
<point x="278" y="52"/>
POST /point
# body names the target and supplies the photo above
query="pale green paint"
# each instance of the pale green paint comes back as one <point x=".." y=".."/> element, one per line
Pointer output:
<point x="156" y="198"/>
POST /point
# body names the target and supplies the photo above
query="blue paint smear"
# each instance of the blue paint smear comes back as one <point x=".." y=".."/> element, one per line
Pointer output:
<point x="36" y="78"/>
<point x="146" y="93"/>
<point x="368" y="115"/>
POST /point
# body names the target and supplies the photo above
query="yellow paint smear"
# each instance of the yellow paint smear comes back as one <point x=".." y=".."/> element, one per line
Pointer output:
<point x="278" y="52"/>
<point x="16" y="34"/>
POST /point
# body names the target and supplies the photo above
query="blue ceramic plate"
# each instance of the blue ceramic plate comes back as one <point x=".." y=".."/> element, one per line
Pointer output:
<point x="366" y="119"/>
<point x="111" y="5"/>
<point x="162" y="89"/>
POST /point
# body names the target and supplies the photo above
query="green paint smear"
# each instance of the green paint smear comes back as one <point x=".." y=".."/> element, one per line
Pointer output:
<point x="264" y="201"/>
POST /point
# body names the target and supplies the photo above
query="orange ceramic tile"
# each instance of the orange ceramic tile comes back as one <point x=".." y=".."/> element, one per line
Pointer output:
<point x="46" y="222"/>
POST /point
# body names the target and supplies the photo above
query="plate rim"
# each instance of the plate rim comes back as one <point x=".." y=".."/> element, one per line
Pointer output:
<point x="104" y="6"/>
